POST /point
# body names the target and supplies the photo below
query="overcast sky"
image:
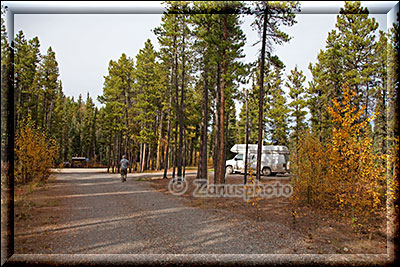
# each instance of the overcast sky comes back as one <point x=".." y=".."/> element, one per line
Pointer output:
<point x="85" y="43"/>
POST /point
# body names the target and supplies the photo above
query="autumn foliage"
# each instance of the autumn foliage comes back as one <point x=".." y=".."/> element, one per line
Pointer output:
<point x="310" y="164"/>
<point x="342" y="175"/>
<point x="34" y="153"/>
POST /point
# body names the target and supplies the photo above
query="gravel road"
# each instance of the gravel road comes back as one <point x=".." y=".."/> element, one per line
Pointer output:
<point x="102" y="215"/>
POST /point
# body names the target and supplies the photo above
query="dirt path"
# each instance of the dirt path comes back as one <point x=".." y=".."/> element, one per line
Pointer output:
<point x="94" y="213"/>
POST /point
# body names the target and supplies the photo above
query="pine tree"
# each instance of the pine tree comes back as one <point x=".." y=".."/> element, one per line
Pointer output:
<point x="349" y="57"/>
<point x="253" y="106"/>
<point x="167" y="36"/>
<point x="118" y="86"/>
<point x="147" y="100"/>
<point x="88" y="124"/>
<point x="381" y="96"/>
<point x="27" y="58"/>
<point x="181" y="41"/>
<point x="59" y="121"/>
<point x="357" y="45"/>
<point x="20" y="57"/>
<point x="203" y="46"/>
<point x="67" y="117"/>
<point x="393" y="83"/>
<point x="298" y="103"/>
<point x="76" y="128"/>
<point x="230" y="40"/>
<point x="317" y="103"/>
<point x="276" y="108"/>
<point x="6" y="82"/>
<point x="48" y="80"/>
<point x="7" y="143"/>
<point x="268" y="18"/>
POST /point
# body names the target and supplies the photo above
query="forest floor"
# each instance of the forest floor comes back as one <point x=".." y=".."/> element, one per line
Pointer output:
<point x="93" y="212"/>
<point x="321" y="231"/>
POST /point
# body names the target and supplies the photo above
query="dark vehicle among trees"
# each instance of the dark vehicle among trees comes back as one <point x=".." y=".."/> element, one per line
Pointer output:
<point x="78" y="162"/>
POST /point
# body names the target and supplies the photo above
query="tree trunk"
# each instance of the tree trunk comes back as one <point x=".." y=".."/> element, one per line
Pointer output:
<point x="175" y="154"/>
<point x="35" y="108"/>
<point x="134" y="161"/>
<point x="225" y="145"/>
<point x="158" y="165"/>
<point x="384" y="114"/>
<point x="150" y="157"/>
<point x="319" y="116"/>
<point x="180" y="113"/>
<point x="153" y="157"/>
<point x="7" y="159"/>
<point x="167" y="148"/>
<point x="16" y="102"/>
<point x="145" y="156"/>
<point x="113" y="157"/>
<point x="118" y="151"/>
<point x="202" y="169"/>
<point x="217" y="122"/>
<point x="221" y="141"/>
<point x="261" y="97"/>
<point x="162" y="154"/>
<point x="247" y="140"/>
<point x="43" y="115"/>
<point x="129" y="157"/>
<point x="109" y="155"/>
<point x="50" y="122"/>
<point x="190" y="152"/>
<point x="169" y="134"/>
<point x="141" y="158"/>
<point x="127" y="106"/>
<point x="94" y="135"/>
<point x="184" y="158"/>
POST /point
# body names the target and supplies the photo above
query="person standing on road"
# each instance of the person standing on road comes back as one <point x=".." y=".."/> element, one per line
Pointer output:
<point x="124" y="168"/>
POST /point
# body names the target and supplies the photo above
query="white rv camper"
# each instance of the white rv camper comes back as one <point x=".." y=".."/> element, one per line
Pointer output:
<point x="274" y="159"/>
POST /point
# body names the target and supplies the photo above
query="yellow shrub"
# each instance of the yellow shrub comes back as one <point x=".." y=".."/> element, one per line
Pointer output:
<point x="34" y="154"/>
<point x="354" y="169"/>
<point x="343" y="175"/>
<point x="309" y="164"/>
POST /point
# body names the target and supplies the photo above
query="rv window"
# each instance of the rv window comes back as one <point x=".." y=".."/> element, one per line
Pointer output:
<point x="239" y="157"/>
